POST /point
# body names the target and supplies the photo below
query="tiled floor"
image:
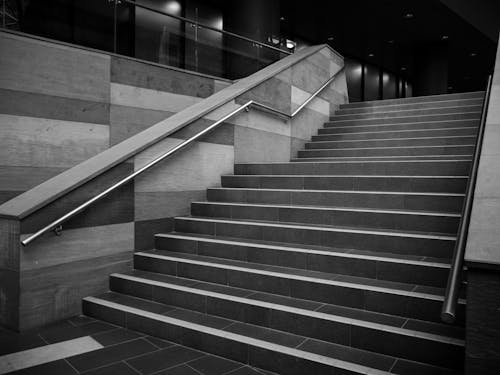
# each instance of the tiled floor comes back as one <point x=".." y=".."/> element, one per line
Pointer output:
<point x="119" y="352"/>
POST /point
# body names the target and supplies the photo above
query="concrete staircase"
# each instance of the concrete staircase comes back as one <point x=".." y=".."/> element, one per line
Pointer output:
<point x="333" y="263"/>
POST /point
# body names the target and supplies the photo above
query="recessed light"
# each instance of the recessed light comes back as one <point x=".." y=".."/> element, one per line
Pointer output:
<point x="282" y="18"/>
<point x="390" y="41"/>
<point x="371" y="55"/>
<point x="450" y="87"/>
<point x="330" y="38"/>
<point x="444" y="37"/>
<point x="403" y="68"/>
<point x="290" y="44"/>
<point x="409" y="15"/>
<point x="473" y="54"/>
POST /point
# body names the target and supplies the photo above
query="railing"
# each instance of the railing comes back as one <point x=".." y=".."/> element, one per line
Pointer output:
<point x="56" y="225"/>
<point x="132" y="29"/>
<point x="454" y="277"/>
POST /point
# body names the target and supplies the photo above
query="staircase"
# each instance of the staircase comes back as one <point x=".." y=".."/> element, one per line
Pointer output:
<point x="333" y="263"/>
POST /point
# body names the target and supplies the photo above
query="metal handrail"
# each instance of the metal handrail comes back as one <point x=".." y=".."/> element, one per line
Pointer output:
<point x="205" y="26"/>
<point x="56" y="225"/>
<point x="454" y="277"/>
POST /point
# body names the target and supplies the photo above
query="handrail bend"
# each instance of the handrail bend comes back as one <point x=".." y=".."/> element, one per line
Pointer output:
<point x="56" y="224"/>
<point x="448" y="309"/>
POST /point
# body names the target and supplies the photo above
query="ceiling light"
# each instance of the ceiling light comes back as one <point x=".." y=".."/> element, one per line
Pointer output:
<point x="409" y="15"/>
<point x="390" y="41"/>
<point x="473" y="54"/>
<point x="371" y="55"/>
<point x="273" y="39"/>
<point x="444" y="37"/>
<point x="290" y="44"/>
<point x="403" y="68"/>
<point x="450" y="87"/>
<point x="330" y="38"/>
<point x="282" y="18"/>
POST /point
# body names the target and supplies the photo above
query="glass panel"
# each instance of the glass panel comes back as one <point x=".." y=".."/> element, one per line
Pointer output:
<point x="129" y="29"/>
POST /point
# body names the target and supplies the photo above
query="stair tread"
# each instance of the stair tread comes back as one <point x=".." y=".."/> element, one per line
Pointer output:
<point x="470" y="108"/>
<point x="380" y="321"/>
<point x="334" y="228"/>
<point x="403" y="131"/>
<point x="285" y="246"/>
<point x="338" y="355"/>
<point x="301" y="274"/>
<point x="332" y="208"/>
<point x="344" y="191"/>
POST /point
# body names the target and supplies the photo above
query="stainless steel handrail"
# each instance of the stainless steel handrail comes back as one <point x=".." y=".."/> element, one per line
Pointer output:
<point x="206" y="26"/>
<point x="448" y="310"/>
<point x="56" y="224"/>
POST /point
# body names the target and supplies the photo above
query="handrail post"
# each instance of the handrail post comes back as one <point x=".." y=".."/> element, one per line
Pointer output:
<point x="454" y="277"/>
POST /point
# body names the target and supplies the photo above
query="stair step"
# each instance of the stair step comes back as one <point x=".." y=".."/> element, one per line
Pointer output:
<point x="400" y="299"/>
<point x="397" y="242"/>
<point x="402" y="119"/>
<point x="390" y="134"/>
<point x="443" y="150"/>
<point x="434" y="184"/>
<point x="382" y="158"/>
<point x="260" y="347"/>
<point x="416" y="125"/>
<point x="417" y="99"/>
<point x="390" y="267"/>
<point x="345" y="109"/>
<point x="458" y="140"/>
<point x="436" y="202"/>
<point x="312" y="320"/>
<point x="340" y="216"/>
<point x="403" y="168"/>
<point x="417" y="112"/>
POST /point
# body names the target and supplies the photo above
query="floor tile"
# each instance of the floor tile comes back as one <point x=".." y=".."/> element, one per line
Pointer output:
<point x="119" y="368"/>
<point x="67" y="331"/>
<point x="212" y="365"/>
<point x="111" y="354"/>
<point x="115" y="336"/>
<point x="60" y="367"/>
<point x="160" y="343"/>
<point x="179" y="370"/>
<point x="164" y="359"/>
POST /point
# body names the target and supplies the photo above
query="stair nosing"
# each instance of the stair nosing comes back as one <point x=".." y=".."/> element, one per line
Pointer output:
<point x="412" y="103"/>
<point x="380" y="147"/>
<point x="343" y="284"/>
<point x="398" y="131"/>
<point x="379" y="156"/>
<point x="350" y="366"/>
<point x="332" y="208"/>
<point x="400" y="139"/>
<point x="385" y="118"/>
<point x="337" y="175"/>
<point x="299" y="311"/>
<point x="395" y="123"/>
<point x="415" y="109"/>
<point x="378" y="258"/>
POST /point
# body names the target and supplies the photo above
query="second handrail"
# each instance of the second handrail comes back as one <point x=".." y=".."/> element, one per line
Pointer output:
<point x="454" y="278"/>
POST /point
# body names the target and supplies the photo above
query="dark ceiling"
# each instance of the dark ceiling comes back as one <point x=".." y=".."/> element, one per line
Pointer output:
<point x="396" y="33"/>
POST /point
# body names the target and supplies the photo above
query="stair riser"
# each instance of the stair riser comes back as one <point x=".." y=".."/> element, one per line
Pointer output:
<point x="417" y="99"/>
<point x="354" y="266"/>
<point x="452" y="141"/>
<point x="424" y="223"/>
<point x="431" y="185"/>
<point x="399" y="120"/>
<point x="411" y="112"/>
<point x="442" y="203"/>
<point x="224" y="347"/>
<point x="403" y="346"/>
<point x="396" y="127"/>
<point x="402" y="107"/>
<point x="306" y="236"/>
<point x="378" y="301"/>
<point x="429" y="168"/>
<point x="392" y="134"/>
<point x="420" y="151"/>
